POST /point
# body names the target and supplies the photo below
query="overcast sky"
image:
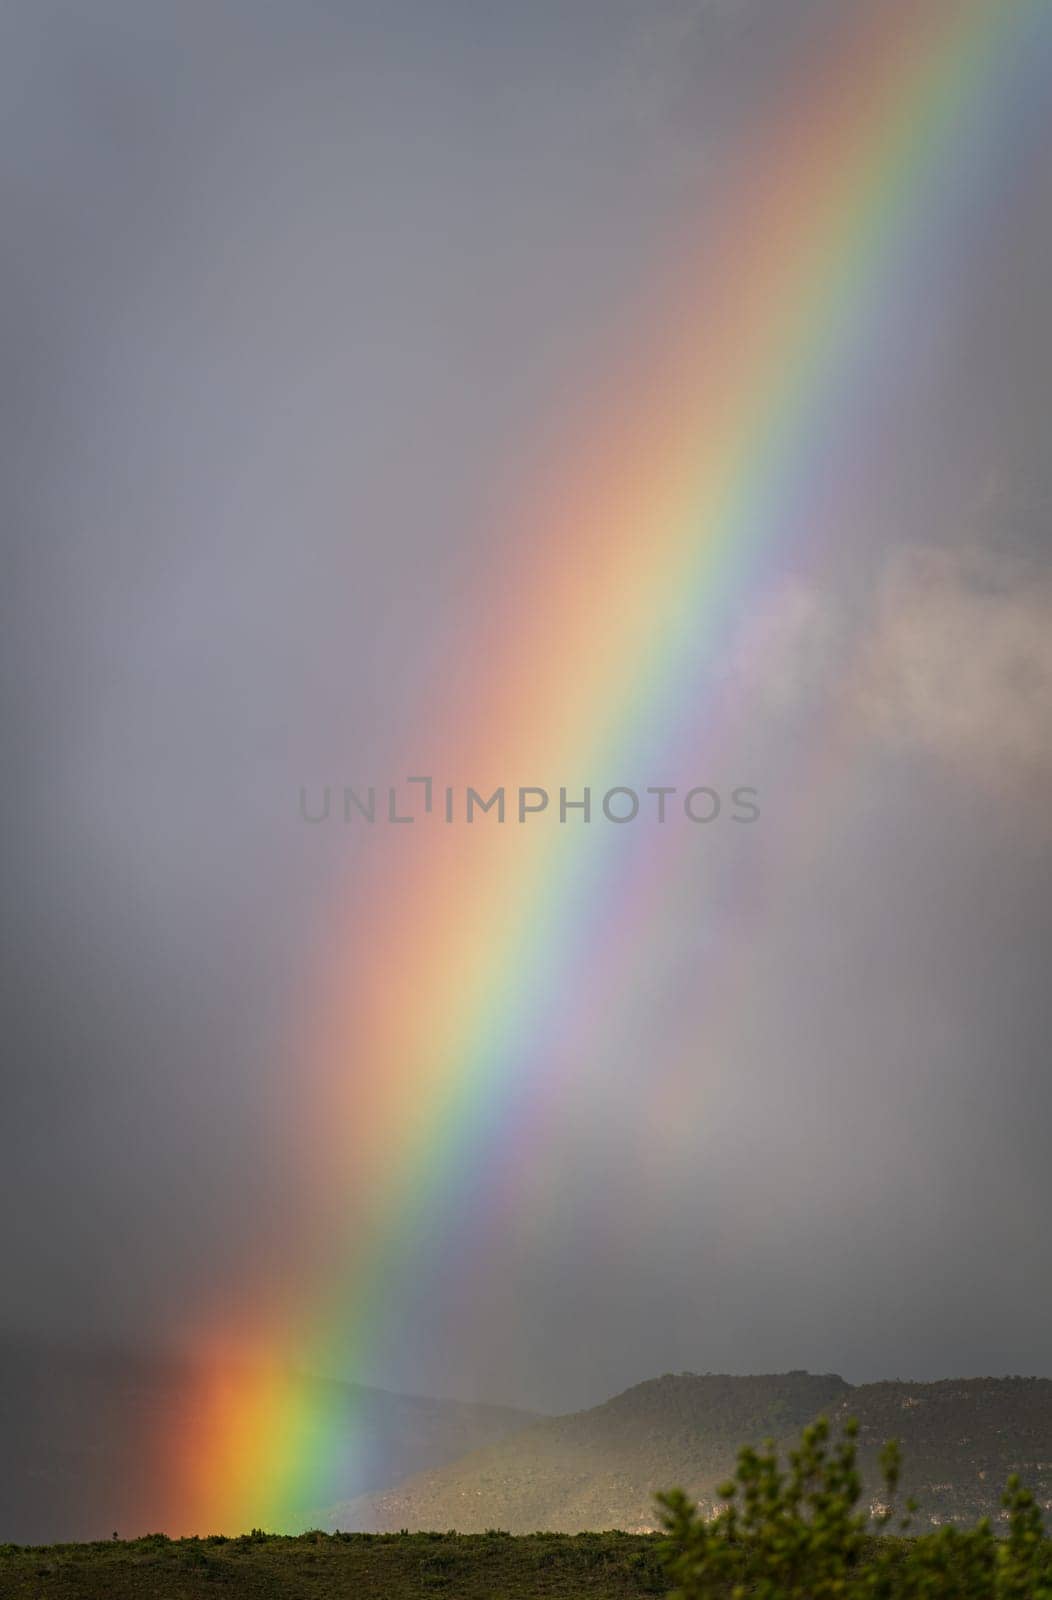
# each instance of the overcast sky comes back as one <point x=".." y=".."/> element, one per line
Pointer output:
<point x="290" y="294"/>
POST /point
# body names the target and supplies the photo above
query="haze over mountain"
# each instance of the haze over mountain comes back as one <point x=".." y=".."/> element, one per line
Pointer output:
<point x="79" y="1430"/>
<point x="600" y="1468"/>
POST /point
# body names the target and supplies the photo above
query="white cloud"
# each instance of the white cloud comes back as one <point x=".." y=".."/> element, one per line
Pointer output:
<point x="958" y="660"/>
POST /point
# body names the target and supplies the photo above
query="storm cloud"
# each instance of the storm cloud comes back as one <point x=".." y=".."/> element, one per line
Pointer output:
<point x="293" y="297"/>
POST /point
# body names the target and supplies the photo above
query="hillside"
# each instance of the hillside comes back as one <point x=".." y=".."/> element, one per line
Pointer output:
<point x="79" y="1432"/>
<point x="600" y="1468"/>
<point x="961" y="1438"/>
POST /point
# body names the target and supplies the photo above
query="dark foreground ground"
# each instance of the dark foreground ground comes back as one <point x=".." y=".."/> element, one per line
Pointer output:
<point x="353" y="1566"/>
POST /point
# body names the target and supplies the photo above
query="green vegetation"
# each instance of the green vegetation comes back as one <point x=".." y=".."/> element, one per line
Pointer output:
<point x="801" y="1534"/>
<point x="341" y="1566"/>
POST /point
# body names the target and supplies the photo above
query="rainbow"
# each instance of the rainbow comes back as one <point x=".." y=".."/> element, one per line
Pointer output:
<point x="475" y="957"/>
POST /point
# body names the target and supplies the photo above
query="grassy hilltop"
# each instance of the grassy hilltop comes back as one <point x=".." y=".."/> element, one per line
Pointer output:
<point x="607" y="1566"/>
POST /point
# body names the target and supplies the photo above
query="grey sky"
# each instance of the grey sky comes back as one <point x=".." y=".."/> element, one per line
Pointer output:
<point x="289" y="293"/>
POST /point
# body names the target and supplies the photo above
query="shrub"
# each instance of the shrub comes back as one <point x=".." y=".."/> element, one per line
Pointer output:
<point x="797" y="1533"/>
